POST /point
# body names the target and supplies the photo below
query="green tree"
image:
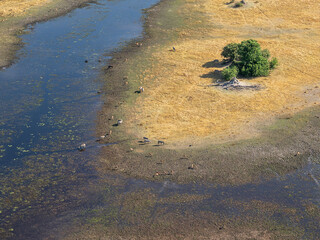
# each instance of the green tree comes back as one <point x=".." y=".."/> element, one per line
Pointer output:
<point x="248" y="59"/>
<point x="251" y="61"/>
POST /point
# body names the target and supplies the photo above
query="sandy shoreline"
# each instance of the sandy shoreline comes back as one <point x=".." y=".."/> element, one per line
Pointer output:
<point x="15" y="17"/>
<point x="277" y="142"/>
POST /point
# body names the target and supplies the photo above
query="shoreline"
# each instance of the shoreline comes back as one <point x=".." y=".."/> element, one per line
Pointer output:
<point x="280" y="146"/>
<point x="11" y="27"/>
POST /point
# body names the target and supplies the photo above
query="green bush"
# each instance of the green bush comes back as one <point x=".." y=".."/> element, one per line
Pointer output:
<point x="230" y="72"/>
<point x="248" y="59"/>
<point x="230" y="51"/>
<point x="265" y="53"/>
<point x="273" y="63"/>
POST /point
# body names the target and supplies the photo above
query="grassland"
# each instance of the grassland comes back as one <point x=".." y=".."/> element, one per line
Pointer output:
<point x="228" y="136"/>
<point x="176" y="105"/>
<point x="10" y="8"/>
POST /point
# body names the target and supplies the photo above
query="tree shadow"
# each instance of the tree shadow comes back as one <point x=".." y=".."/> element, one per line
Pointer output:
<point x="215" y="75"/>
<point x="215" y="64"/>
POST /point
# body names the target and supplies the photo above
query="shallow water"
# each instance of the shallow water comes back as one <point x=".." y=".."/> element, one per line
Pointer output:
<point x="288" y="203"/>
<point x="49" y="103"/>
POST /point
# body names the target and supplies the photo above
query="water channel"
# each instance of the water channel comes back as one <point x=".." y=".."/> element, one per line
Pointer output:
<point x="48" y="107"/>
<point x="49" y="102"/>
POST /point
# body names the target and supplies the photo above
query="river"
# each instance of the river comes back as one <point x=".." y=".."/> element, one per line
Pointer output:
<point x="49" y="103"/>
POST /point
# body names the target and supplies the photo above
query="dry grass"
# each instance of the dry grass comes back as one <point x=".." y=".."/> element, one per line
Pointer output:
<point x="13" y="16"/>
<point x="16" y="14"/>
<point x="178" y="106"/>
<point x="10" y="8"/>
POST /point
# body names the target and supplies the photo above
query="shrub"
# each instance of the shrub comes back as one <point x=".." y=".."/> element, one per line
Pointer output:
<point x="265" y="53"/>
<point x="230" y="72"/>
<point x="273" y="63"/>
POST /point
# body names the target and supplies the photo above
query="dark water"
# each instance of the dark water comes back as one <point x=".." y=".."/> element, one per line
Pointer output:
<point x="48" y="107"/>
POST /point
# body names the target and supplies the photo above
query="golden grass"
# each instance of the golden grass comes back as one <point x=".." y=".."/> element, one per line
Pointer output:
<point x="177" y="106"/>
<point x="10" y="8"/>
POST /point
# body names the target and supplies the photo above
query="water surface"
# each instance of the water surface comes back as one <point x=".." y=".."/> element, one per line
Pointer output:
<point x="49" y="103"/>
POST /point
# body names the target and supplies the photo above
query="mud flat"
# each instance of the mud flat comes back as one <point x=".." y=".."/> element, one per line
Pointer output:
<point x="16" y="14"/>
<point x="212" y="134"/>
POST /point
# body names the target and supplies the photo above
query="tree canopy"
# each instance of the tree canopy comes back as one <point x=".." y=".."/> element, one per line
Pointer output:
<point x="247" y="60"/>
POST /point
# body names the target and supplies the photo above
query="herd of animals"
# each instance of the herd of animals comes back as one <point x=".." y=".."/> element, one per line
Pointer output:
<point x="146" y="140"/>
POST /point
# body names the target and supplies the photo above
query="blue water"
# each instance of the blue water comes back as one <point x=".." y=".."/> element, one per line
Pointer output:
<point x="51" y="90"/>
<point x="49" y="103"/>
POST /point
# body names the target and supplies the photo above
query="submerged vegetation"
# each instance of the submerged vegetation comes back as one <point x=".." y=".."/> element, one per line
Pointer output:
<point x="247" y="59"/>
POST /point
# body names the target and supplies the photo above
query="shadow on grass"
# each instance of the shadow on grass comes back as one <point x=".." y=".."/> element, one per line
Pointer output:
<point x="215" y="75"/>
<point x="215" y="64"/>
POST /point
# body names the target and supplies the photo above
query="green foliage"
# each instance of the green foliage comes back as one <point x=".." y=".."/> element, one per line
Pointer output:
<point x="265" y="53"/>
<point x="273" y="63"/>
<point x="248" y="60"/>
<point x="230" y="51"/>
<point x="230" y="72"/>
